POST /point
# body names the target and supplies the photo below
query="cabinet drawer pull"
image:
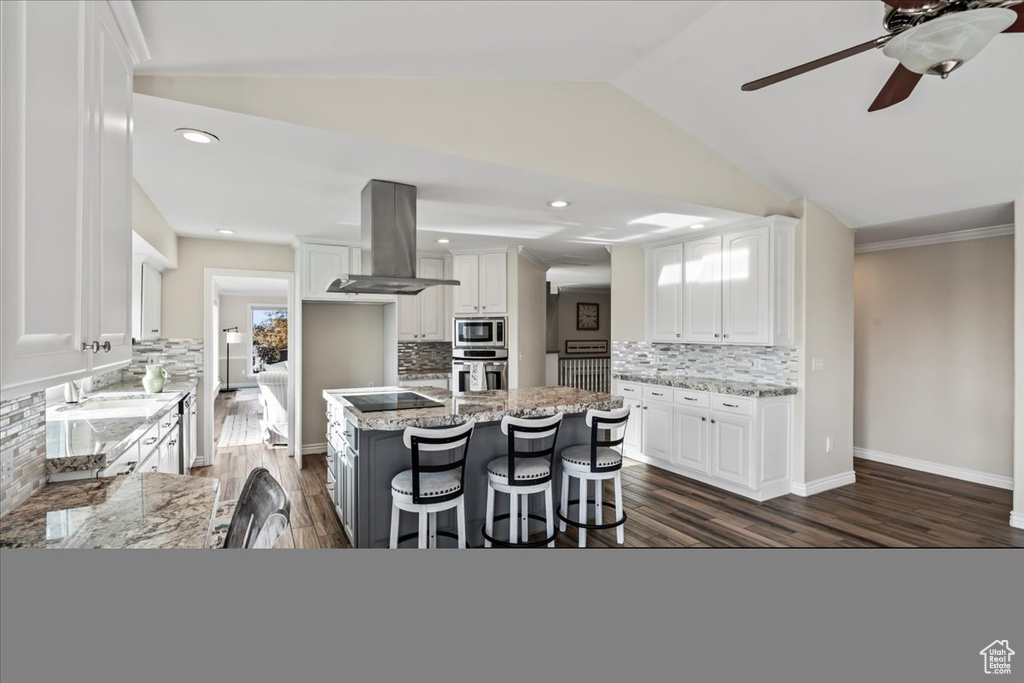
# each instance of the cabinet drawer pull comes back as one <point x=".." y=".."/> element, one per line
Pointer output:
<point x="149" y="442"/>
<point x="655" y="393"/>
<point x="730" y="405"/>
<point x="172" y="442"/>
<point x="689" y="398"/>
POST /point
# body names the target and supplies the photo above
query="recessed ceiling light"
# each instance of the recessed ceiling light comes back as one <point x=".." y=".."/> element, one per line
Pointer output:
<point x="696" y="226"/>
<point x="225" y="231"/>
<point x="558" y="203"/>
<point x="443" y="241"/>
<point x="198" y="136"/>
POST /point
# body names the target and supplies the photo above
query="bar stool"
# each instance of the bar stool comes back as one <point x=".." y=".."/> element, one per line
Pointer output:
<point x="530" y="473"/>
<point x="595" y="462"/>
<point x="427" y="489"/>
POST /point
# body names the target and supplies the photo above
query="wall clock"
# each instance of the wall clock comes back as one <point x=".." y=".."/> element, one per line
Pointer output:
<point x="586" y="316"/>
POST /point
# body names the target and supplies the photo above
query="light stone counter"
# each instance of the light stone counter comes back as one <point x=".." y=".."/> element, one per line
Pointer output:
<point x="718" y="386"/>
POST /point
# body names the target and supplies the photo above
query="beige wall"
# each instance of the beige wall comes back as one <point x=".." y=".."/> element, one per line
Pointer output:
<point x="825" y="288"/>
<point x="567" y="301"/>
<point x="234" y="311"/>
<point x="934" y="353"/>
<point x="587" y="131"/>
<point x="182" y="300"/>
<point x="1018" y="373"/>
<point x="628" y="294"/>
<point x="151" y="226"/>
<point x="342" y="346"/>
<point x="531" y="285"/>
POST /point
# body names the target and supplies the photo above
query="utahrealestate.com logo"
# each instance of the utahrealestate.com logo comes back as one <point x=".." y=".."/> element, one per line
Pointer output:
<point x="997" y="657"/>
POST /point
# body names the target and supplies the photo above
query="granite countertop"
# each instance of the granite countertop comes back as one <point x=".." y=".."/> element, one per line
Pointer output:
<point x="85" y="443"/>
<point x="482" y="406"/>
<point x="718" y="386"/>
<point x="424" y="375"/>
<point x="142" y="510"/>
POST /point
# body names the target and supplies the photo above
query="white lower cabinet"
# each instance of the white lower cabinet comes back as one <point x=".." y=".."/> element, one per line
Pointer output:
<point x="691" y="438"/>
<point x="739" y="444"/>
<point x="657" y="430"/>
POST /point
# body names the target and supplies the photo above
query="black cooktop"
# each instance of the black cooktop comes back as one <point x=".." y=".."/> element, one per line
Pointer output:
<point x="403" y="400"/>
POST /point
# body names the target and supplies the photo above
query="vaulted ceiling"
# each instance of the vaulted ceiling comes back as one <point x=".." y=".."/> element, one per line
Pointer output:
<point x="955" y="145"/>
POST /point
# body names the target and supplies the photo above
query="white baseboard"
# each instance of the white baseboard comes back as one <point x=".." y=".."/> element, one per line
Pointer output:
<point x="1017" y="519"/>
<point x="824" y="484"/>
<point x="997" y="480"/>
<point x="314" y="448"/>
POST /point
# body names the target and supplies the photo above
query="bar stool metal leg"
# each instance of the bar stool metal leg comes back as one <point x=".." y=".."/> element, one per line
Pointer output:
<point x="489" y="517"/>
<point x="565" y="500"/>
<point x="620" y="531"/>
<point x="583" y="512"/>
<point x="550" y="515"/>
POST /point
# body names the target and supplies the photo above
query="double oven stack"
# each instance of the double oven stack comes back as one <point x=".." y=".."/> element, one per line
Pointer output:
<point x="479" y="355"/>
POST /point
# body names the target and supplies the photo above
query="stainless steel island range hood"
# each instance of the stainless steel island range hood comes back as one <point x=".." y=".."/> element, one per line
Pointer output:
<point x="388" y="223"/>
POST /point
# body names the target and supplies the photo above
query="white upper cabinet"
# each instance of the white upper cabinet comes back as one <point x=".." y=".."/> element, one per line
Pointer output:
<point x="483" y="289"/>
<point x="736" y="287"/>
<point x="323" y="264"/>
<point x="667" y="293"/>
<point x="423" y="317"/>
<point x="493" y="283"/>
<point x="150" y="304"/>
<point x="702" y="291"/>
<point x="65" y="131"/>
<point x="466" y="269"/>
<point x="746" y="287"/>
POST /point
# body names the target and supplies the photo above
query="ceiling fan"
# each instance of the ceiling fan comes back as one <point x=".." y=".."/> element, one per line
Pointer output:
<point x="926" y="37"/>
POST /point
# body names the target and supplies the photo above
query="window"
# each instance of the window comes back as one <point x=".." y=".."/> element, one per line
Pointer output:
<point x="269" y="336"/>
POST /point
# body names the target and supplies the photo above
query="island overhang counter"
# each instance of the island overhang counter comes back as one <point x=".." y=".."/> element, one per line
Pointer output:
<point x="365" y="450"/>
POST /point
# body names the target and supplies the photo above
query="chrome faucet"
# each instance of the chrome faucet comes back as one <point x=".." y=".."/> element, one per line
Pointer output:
<point x="73" y="392"/>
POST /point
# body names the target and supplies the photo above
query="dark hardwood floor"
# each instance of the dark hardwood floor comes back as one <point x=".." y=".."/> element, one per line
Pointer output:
<point x="887" y="507"/>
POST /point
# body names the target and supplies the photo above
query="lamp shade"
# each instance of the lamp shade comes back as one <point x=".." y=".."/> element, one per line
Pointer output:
<point x="234" y="338"/>
<point x="952" y="39"/>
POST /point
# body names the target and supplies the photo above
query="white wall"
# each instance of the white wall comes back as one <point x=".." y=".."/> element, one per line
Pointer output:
<point x="149" y="223"/>
<point x="342" y="346"/>
<point x="234" y="311"/>
<point x="627" y="294"/>
<point x="588" y="131"/>
<point x="934" y="353"/>
<point x="825" y="292"/>
<point x="182" y="300"/>
<point x="567" y="301"/>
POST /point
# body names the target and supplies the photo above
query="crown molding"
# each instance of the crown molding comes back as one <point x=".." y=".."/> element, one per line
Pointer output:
<point x="533" y="258"/>
<point x="942" y="238"/>
<point x="128" y="22"/>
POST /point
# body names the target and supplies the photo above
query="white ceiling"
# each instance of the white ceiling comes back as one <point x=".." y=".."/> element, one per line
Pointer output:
<point x="272" y="181"/>
<point x="955" y="145"/>
<point x="534" y="39"/>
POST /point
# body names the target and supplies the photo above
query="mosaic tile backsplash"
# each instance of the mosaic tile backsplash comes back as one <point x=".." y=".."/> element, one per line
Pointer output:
<point x="23" y="419"/>
<point x="23" y="440"/>
<point x="424" y="357"/>
<point x="759" y="364"/>
<point x="183" y="358"/>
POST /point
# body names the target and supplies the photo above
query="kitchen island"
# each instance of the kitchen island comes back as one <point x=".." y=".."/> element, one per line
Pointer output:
<point x="365" y="450"/>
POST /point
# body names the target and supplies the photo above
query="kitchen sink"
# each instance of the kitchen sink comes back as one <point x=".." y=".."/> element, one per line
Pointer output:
<point x="106" y="408"/>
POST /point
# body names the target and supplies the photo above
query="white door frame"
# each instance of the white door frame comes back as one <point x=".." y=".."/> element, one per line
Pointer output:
<point x="210" y="340"/>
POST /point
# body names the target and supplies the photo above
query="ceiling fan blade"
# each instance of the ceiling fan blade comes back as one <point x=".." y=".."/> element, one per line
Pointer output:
<point x="810" y="66"/>
<point x="896" y="89"/>
<point x="909" y="4"/>
<point x="1017" y="26"/>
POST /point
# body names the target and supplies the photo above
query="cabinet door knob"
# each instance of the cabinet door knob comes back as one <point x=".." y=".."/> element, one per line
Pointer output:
<point x="712" y="422"/>
<point x="484" y="307"/>
<point x="678" y="335"/>
<point x="716" y="336"/>
<point x="94" y="347"/>
<point x="106" y="347"/>
<point x="725" y="336"/>
<point x="703" y="419"/>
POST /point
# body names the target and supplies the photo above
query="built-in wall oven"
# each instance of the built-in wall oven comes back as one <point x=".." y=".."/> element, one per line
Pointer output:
<point x="479" y="370"/>
<point x="471" y="333"/>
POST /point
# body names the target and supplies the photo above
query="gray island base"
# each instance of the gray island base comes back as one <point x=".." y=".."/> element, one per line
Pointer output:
<point x="365" y="451"/>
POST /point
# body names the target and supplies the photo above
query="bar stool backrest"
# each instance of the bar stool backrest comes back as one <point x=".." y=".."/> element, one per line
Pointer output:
<point x="421" y="441"/>
<point x="261" y="514"/>
<point x="532" y="429"/>
<point x="613" y="421"/>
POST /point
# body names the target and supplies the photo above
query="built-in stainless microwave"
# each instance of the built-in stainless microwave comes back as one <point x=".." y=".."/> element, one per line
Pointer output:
<point x="470" y="332"/>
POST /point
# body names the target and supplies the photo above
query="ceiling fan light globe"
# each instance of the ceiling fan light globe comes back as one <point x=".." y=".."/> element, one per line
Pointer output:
<point x="948" y="39"/>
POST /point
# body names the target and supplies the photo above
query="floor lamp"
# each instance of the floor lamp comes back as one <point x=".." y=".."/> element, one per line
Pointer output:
<point x="233" y="336"/>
